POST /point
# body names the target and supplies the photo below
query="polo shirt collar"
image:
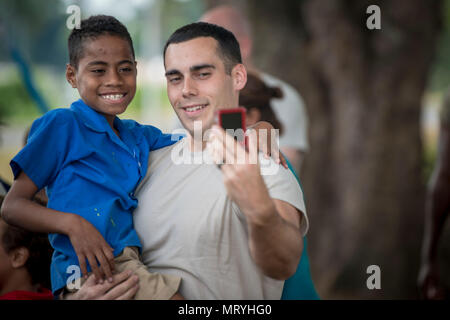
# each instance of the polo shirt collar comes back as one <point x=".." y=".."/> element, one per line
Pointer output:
<point x="91" y="118"/>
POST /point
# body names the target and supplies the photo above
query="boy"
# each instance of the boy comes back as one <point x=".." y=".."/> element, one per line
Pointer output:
<point x="91" y="162"/>
<point x="24" y="261"/>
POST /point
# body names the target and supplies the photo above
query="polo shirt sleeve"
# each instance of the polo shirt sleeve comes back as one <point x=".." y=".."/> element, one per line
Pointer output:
<point x="157" y="139"/>
<point x="47" y="146"/>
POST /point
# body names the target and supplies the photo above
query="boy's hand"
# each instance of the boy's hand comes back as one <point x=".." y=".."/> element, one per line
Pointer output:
<point x="89" y="244"/>
<point x="267" y="142"/>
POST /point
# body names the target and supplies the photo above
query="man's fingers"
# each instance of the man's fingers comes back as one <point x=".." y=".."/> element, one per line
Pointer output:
<point x="126" y="286"/>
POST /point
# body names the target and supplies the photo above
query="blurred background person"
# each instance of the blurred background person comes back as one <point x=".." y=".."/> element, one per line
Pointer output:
<point x="256" y="98"/>
<point x="289" y="108"/>
<point x="437" y="210"/>
<point x="24" y="263"/>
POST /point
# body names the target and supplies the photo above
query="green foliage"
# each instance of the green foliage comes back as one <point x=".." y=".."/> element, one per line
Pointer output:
<point x="15" y="104"/>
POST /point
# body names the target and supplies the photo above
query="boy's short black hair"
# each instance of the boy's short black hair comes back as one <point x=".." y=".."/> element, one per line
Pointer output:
<point x="91" y="28"/>
<point x="38" y="246"/>
<point x="228" y="46"/>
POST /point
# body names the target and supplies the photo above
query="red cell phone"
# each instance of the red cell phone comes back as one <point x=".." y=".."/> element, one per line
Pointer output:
<point x="233" y="119"/>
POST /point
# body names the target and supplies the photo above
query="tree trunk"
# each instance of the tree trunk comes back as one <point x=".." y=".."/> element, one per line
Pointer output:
<point x="363" y="91"/>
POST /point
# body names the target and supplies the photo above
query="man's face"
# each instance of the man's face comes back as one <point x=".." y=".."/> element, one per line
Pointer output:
<point x="197" y="83"/>
<point x="106" y="75"/>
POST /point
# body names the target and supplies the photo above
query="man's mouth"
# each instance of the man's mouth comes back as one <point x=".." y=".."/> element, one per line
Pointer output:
<point x="193" y="110"/>
<point x="113" y="97"/>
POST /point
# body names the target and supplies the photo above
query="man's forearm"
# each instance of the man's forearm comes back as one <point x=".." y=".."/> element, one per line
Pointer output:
<point x="275" y="245"/>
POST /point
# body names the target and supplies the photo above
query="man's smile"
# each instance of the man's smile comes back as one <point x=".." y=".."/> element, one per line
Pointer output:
<point x="194" y="109"/>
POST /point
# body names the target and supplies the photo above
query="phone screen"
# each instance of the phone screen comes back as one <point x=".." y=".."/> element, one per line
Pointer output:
<point x="232" y="120"/>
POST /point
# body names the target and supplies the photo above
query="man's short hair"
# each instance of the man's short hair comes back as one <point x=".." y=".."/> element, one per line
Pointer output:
<point x="228" y="47"/>
<point x="92" y="28"/>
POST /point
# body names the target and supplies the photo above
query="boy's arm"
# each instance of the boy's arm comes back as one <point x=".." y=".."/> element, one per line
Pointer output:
<point x="19" y="209"/>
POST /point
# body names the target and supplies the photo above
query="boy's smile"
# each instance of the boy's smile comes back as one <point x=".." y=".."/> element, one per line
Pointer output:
<point x="105" y="76"/>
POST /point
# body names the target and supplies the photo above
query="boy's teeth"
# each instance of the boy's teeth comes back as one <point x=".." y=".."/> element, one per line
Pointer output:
<point x="113" y="96"/>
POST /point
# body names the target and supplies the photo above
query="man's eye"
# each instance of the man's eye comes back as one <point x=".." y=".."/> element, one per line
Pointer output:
<point x="98" y="71"/>
<point x="174" y="80"/>
<point x="203" y="74"/>
<point x="127" y="69"/>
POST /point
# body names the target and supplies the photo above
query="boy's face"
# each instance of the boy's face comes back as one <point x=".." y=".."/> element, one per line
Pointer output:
<point x="105" y="76"/>
<point x="197" y="82"/>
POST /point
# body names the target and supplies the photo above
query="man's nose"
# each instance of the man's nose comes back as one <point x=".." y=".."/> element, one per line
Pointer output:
<point x="189" y="88"/>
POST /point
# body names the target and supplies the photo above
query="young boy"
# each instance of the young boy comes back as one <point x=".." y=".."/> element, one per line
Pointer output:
<point x="90" y="161"/>
<point x="24" y="262"/>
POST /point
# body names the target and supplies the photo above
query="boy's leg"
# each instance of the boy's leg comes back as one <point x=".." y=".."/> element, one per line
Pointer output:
<point x="152" y="286"/>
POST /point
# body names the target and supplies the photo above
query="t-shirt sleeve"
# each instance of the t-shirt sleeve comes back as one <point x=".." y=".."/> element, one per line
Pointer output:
<point x="283" y="185"/>
<point x="158" y="140"/>
<point x="46" y="150"/>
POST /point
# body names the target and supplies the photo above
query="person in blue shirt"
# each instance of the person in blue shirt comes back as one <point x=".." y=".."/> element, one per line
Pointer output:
<point x="90" y="163"/>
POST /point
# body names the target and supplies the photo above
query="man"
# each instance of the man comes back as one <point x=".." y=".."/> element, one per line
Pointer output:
<point x="289" y="109"/>
<point x="227" y="231"/>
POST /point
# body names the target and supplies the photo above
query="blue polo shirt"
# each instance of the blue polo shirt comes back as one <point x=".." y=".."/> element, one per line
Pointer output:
<point x="90" y="171"/>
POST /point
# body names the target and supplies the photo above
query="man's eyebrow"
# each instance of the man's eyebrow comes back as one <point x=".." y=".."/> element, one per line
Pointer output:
<point x="202" y="66"/>
<point x="172" y="72"/>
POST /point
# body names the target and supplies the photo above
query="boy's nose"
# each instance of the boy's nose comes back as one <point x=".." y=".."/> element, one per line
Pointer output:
<point x="114" y="79"/>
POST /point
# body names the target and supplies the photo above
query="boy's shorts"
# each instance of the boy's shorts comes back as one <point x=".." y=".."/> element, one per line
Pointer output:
<point x="152" y="286"/>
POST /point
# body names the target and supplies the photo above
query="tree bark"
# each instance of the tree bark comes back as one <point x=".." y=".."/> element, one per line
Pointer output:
<point x="363" y="91"/>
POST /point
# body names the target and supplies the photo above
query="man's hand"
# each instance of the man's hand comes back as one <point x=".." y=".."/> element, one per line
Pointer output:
<point x="241" y="172"/>
<point x="124" y="286"/>
<point x="275" y="241"/>
<point x="89" y="244"/>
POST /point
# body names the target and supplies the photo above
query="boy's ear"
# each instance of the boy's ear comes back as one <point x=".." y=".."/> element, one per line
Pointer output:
<point x="239" y="76"/>
<point x="19" y="257"/>
<point x="70" y="75"/>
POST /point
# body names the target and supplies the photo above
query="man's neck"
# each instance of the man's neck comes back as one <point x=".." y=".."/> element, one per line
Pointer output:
<point x="195" y="145"/>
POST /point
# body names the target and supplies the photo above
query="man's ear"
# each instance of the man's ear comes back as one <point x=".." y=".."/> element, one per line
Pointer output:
<point x="71" y="75"/>
<point x="239" y="76"/>
<point x="19" y="257"/>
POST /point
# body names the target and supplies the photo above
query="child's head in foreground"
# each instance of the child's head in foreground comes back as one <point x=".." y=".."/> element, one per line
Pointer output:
<point x="25" y="258"/>
<point x="102" y="65"/>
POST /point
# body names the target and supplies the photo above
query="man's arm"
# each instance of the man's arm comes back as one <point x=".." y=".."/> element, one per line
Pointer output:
<point x="19" y="209"/>
<point x="275" y="240"/>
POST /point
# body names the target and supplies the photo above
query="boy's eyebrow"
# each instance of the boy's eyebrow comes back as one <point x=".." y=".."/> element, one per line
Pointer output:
<point x="105" y="63"/>
<point x="126" y="61"/>
<point x="97" y="62"/>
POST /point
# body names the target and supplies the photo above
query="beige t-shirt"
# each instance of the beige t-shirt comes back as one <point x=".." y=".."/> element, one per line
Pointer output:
<point x="190" y="228"/>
